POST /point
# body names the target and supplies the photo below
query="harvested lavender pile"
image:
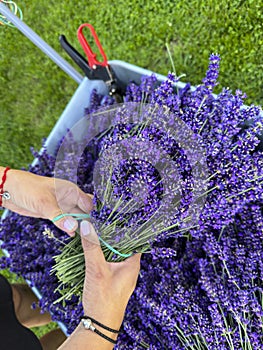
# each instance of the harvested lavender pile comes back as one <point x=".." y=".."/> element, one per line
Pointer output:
<point x="200" y="285"/>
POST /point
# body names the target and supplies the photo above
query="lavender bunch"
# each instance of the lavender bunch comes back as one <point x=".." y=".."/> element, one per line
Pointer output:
<point x="139" y="194"/>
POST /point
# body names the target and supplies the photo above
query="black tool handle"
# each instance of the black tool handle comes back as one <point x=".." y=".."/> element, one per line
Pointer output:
<point x="76" y="56"/>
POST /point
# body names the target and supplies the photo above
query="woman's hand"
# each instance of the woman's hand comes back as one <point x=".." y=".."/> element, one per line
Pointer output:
<point x="108" y="286"/>
<point x="107" y="289"/>
<point x="44" y="197"/>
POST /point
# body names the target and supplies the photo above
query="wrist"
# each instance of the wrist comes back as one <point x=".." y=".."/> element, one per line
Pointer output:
<point x="12" y="185"/>
<point x="4" y="194"/>
<point x="86" y="339"/>
<point x="102" y="330"/>
<point x="110" y="318"/>
<point x="83" y="339"/>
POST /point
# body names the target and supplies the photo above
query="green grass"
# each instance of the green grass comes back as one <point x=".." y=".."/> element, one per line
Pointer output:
<point x="34" y="91"/>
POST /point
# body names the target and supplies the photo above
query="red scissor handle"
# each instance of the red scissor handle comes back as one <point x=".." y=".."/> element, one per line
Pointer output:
<point x="87" y="49"/>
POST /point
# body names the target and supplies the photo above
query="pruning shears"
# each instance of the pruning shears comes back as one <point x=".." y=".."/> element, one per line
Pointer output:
<point x="93" y="69"/>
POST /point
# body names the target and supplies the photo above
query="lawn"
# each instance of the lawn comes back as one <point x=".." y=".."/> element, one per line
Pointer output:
<point x="34" y="91"/>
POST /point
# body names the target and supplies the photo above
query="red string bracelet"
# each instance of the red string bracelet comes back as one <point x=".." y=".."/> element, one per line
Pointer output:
<point x="2" y="185"/>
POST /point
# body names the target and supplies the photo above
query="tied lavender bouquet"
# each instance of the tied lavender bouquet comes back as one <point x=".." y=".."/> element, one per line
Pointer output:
<point x="200" y="285"/>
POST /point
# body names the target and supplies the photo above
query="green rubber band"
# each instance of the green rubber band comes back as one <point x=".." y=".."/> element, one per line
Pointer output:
<point x="114" y="250"/>
<point x="77" y="216"/>
<point x="87" y="216"/>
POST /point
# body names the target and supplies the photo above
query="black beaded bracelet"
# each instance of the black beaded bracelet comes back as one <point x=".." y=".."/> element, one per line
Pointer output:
<point x="87" y="323"/>
<point x="100" y="324"/>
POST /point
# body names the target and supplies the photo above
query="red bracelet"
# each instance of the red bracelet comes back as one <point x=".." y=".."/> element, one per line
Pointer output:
<point x="2" y="185"/>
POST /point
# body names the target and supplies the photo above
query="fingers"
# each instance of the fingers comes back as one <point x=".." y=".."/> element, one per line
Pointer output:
<point x="72" y="200"/>
<point x="91" y="244"/>
<point x="134" y="261"/>
<point x="67" y="224"/>
<point x="88" y="234"/>
<point x="131" y="267"/>
<point x="85" y="202"/>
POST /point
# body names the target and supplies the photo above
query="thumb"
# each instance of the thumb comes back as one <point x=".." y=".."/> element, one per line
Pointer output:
<point x="90" y="243"/>
<point x="66" y="223"/>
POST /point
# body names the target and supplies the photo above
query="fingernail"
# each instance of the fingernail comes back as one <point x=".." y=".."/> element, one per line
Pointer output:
<point x="69" y="224"/>
<point x="85" y="228"/>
